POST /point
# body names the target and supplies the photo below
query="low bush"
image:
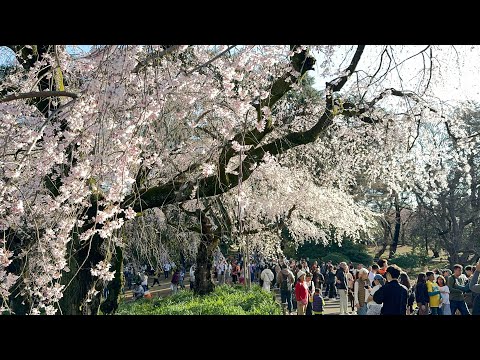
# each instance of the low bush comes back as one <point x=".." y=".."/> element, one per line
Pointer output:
<point x="225" y="300"/>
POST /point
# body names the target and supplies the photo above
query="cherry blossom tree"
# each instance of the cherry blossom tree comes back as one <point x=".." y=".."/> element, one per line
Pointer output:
<point x="89" y="143"/>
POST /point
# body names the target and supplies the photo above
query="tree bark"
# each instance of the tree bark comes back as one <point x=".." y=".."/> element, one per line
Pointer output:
<point x="386" y="234"/>
<point x="208" y="243"/>
<point x="74" y="297"/>
<point x="110" y="305"/>
<point x="396" y="234"/>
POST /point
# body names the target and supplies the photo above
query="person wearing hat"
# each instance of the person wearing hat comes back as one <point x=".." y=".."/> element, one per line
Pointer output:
<point x="301" y="293"/>
<point x="372" y="307"/>
<point x="361" y="291"/>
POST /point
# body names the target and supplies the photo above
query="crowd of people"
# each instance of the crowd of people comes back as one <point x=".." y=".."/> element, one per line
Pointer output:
<point x="378" y="289"/>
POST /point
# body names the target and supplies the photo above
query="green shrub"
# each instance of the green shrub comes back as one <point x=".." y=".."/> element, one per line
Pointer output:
<point x="336" y="258"/>
<point x="225" y="300"/>
<point x="409" y="261"/>
<point x="355" y="252"/>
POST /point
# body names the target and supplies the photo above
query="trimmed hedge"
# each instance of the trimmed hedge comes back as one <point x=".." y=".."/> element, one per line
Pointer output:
<point x="225" y="300"/>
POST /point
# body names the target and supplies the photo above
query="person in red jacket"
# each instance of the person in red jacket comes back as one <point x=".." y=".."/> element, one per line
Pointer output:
<point x="301" y="293"/>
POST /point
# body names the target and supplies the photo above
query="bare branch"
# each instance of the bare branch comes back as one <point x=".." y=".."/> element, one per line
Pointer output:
<point x="37" y="94"/>
<point x="155" y="56"/>
<point x="211" y="60"/>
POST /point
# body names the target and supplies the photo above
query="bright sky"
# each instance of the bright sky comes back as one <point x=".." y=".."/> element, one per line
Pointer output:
<point x="456" y="69"/>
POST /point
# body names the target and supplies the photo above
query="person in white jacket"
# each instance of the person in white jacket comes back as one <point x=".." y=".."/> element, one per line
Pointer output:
<point x="372" y="307"/>
<point x="445" y="295"/>
<point x="267" y="277"/>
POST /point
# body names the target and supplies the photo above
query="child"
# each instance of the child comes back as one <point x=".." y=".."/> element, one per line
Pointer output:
<point x="318" y="303"/>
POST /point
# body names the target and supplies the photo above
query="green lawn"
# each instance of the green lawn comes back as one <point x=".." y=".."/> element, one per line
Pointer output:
<point x="225" y="300"/>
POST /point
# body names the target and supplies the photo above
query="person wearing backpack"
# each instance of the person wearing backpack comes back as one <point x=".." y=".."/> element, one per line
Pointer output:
<point x="285" y="281"/>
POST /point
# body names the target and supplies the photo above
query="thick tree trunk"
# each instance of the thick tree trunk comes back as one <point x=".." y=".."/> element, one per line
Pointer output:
<point x="396" y="234"/>
<point x="203" y="273"/>
<point x="75" y="296"/>
<point x="110" y="305"/>
<point x="386" y="234"/>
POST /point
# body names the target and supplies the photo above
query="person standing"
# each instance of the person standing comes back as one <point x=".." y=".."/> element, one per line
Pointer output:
<point x="474" y="286"/>
<point x="285" y="281"/>
<point x="361" y="291"/>
<point x="330" y="288"/>
<point x="433" y="293"/>
<point x="350" y="289"/>
<point x="192" y="277"/>
<point x="393" y="295"/>
<point x="144" y="282"/>
<point x="405" y="281"/>
<point x="456" y="284"/>
<point x="421" y="294"/>
<point x="311" y="291"/>
<point x="228" y="273"/>
<point x="318" y="302"/>
<point x="267" y="277"/>
<point x="382" y="266"/>
<point x="469" y="269"/>
<point x="341" y="283"/>
<point x="372" y="273"/>
<point x="221" y="273"/>
<point x="372" y="307"/>
<point x="301" y="293"/>
<point x="445" y="293"/>
<point x="174" y="282"/>
<point x="166" y="269"/>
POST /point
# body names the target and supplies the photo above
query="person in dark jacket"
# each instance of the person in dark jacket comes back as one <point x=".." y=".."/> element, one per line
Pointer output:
<point x="421" y="294"/>
<point x="330" y="279"/>
<point x="393" y="295"/>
